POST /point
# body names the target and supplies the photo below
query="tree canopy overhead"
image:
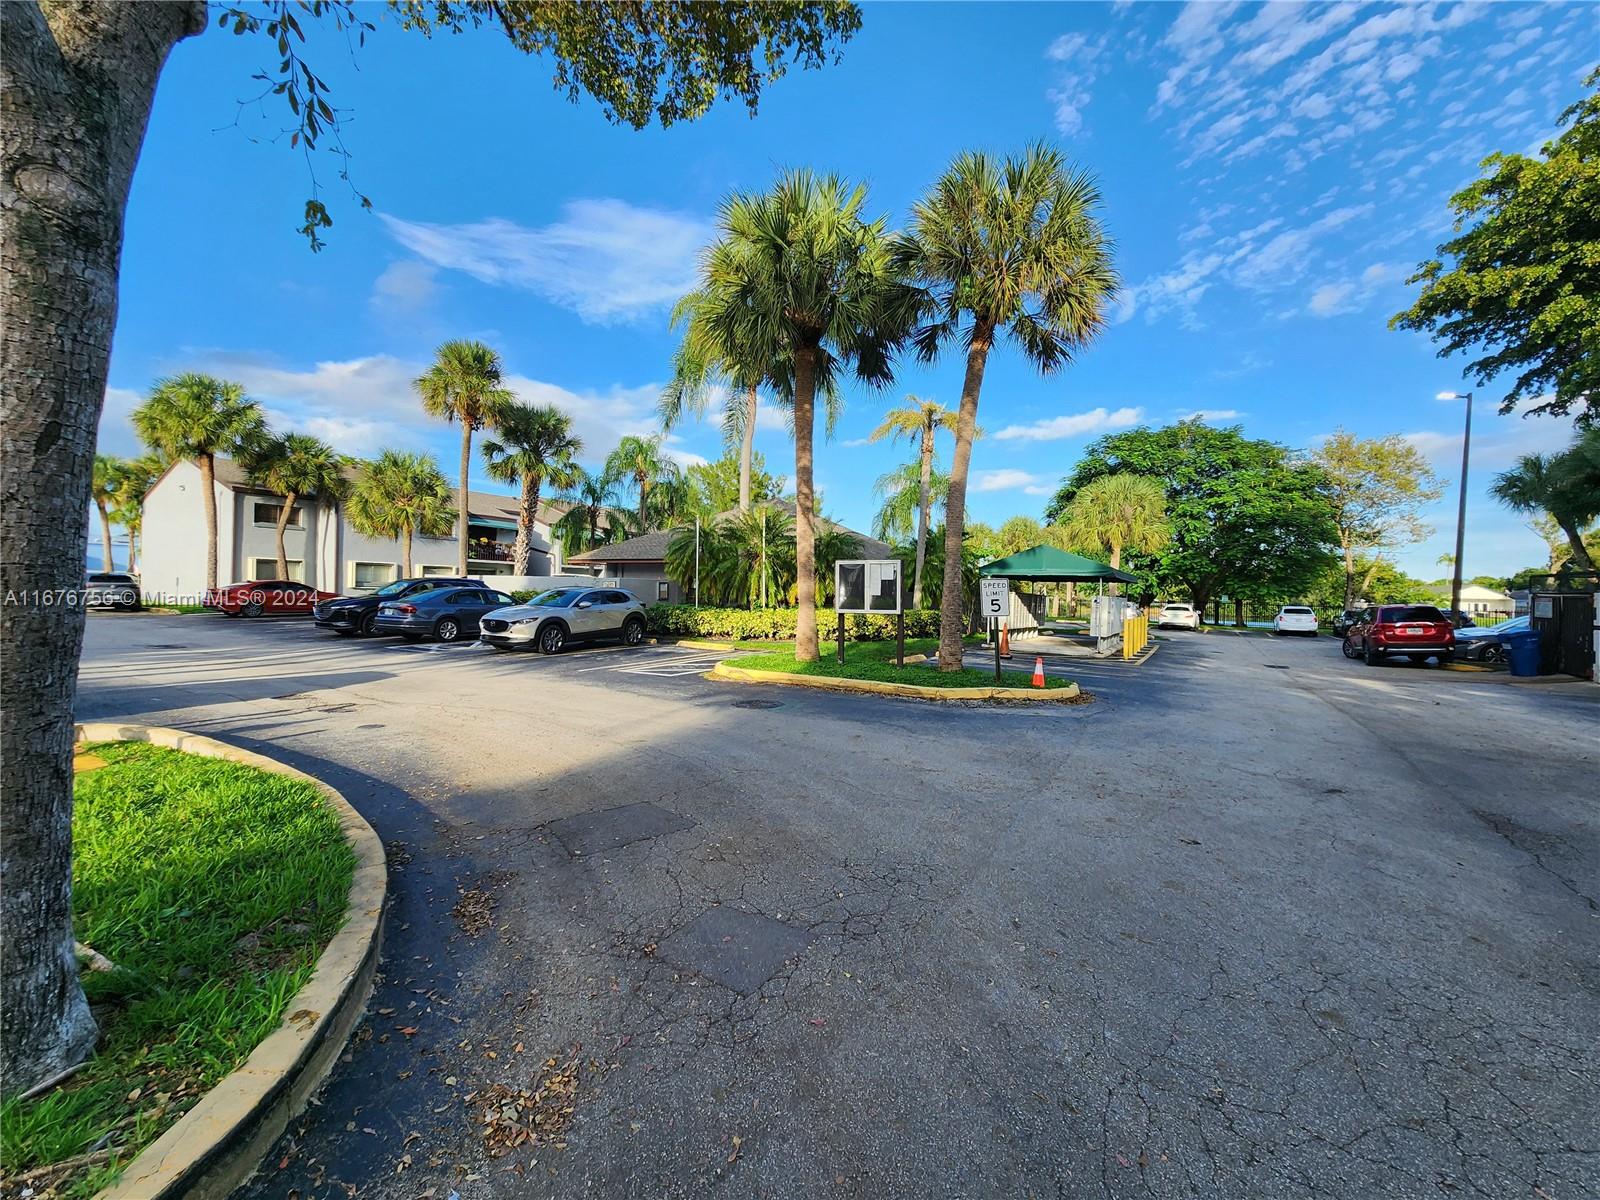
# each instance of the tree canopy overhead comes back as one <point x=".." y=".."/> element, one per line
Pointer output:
<point x="1523" y="280"/>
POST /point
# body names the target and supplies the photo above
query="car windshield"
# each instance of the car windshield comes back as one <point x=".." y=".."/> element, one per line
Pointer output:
<point x="557" y="597"/>
<point x="392" y="589"/>
<point x="1414" y="612"/>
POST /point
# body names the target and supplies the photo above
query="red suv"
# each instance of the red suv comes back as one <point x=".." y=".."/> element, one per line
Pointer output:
<point x="264" y="596"/>
<point x="1418" y="631"/>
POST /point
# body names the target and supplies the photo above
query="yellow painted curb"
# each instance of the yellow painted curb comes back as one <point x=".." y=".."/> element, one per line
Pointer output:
<point x="698" y="644"/>
<point x="723" y="672"/>
<point x="219" y="1142"/>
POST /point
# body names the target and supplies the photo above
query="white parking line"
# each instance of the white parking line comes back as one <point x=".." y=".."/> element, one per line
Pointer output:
<point x="665" y="666"/>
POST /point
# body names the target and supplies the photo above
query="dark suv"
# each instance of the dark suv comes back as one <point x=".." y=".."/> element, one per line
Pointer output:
<point x="348" y="615"/>
<point x="1416" y="631"/>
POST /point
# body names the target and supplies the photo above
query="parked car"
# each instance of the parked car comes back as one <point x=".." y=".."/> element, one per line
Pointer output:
<point x="348" y="615"/>
<point x="261" y="596"/>
<point x="567" y="614"/>
<point x="1295" y="618"/>
<point x="1417" y="631"/>
<point x="446" y="614"/>
<point x="1345" y="620"/>
<point x="1483" y="644"/>
<point x="111" y="589"/>
<point x="1459" y="619"/>
<point x="1178" y="616"/>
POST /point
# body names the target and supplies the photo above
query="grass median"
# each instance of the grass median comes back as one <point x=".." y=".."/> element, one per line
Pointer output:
<point x="875" y="661"/>
<point x="211" y="888"/>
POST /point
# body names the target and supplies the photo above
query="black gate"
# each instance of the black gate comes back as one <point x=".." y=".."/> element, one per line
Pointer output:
<point x="1565" y="623"/>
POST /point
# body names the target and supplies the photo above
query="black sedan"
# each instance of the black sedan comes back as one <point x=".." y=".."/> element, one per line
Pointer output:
<point x="447" y="614"/>
<point x="347" y="615"/>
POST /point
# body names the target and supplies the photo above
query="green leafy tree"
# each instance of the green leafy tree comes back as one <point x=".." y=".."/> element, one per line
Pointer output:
<point x="1523" y="271"/>
<point x="138" y="476"/>
<point x="1016" y="533"/>
<point x="834" y="545"/>
<point x="1118" y="512"/>
<point x="296" y="466"/>
<point x="1377" y="487"/>
<point x="402" y="496"/>
<point x="720" y="485"/>
<point x="918" y="420"/>
<point x="80" y="80"/>
<point x="1247" y="519"/>
<point x="197" y="417"/>
<point x="110" y="477"/>
<point x="535" y="445"/>
<point x="1004" y="247"/>
<point x="1564" y="486"/>
<point x="465" y="385"/>
<point x="972" y="553"/>
<point x="1381" y="583"/>
<point x="801" y="263"/>
<point x="588" y="522"/>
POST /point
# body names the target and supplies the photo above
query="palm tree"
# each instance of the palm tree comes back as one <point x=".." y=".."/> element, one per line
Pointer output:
<point x="402" y="496"/>
<point x="641" y="461"/>
<point x="536" y="445"/>
<point x="294" y="466"/>
<point x="464" y="384"/>
<point x="1119" y="512"/>
<point x="138" y="474"/>
<point x="919" y="420"/>
<point x="586" y="523"/>
<point x="1563" y="485"/>
<point x="110" y="475"/>
<point x="798" y="267"/>
<point x="196" y="417"/>
<point x="833" y="545"/>
<point x="1013" y="246"/>
<point x="897" y="519"/>
<point x="747" y="558"/>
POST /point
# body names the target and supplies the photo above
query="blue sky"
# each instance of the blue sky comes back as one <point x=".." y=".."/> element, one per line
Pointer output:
<point x="1271" y="174"/>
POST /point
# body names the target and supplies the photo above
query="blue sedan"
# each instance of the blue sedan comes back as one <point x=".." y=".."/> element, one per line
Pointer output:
<point x="1482" y="643"/>
<point x="446" y="614"/>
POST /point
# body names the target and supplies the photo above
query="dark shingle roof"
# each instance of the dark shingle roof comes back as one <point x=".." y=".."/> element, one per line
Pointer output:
<point x="652" y="546"/>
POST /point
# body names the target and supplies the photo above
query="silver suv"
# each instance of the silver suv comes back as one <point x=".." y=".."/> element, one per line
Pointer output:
<point x="553" y="619"/>
<point x="111" y="589"/>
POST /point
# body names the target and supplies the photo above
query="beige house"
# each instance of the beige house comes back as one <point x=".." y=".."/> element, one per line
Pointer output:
<point x="1485" y="605"/>
<point x="322" y="548"/>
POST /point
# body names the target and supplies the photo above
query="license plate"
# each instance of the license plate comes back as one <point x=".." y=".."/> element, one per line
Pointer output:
<point x="1411" y="629"/>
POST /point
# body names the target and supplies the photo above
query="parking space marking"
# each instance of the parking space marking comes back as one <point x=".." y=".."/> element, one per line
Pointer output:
<point x="667" y="665"/>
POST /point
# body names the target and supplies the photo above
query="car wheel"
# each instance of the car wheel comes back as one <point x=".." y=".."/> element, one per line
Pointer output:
<point x="369" y="625"/>
<point x="1493" y="654"/>
<point x="1349" y="648"/>
<point x="253" y="609"/>
<point x="552" y="638"/>
<point x="632" y="631"/>
<point x="447" y="630"/>
<point x="1373" y="655"/>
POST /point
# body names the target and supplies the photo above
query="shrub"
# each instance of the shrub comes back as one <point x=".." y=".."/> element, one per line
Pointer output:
<point x="777" y="624"/>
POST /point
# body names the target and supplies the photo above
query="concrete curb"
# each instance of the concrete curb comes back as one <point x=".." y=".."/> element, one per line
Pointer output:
<point x="703" y="644"/>
<point x="726" y="674"/>
<point x="219" y="1143"/>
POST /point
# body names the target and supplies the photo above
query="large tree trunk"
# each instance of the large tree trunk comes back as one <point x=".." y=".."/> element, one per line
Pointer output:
<point x="527" y="511"/>
<point x="75" y="93"/>
<point x="107" y="563"/>
<point x="805" y="390"/>
<point x="955" y="504"/>
<point x="283" y="523"/>
<point x="1116" y="565"/>
<point x="923" y="505"/>
<point x="747" y="451"/>
<point x="405" y="553"/>
<point x="1580" y="552"/>
<point x="461" y="501"/>
<point x="208" y="504"/>
<point x="1349" y="573"/>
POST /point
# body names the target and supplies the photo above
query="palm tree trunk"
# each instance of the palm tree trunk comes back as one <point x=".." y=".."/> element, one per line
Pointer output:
<point x="1116" y="565"/>
<point x="1349" y="572"/>
<point x="208" y="501"/>
<point x="922" y="513"/>
<point x="644" y="488"/>
<point x="747" y="451"/>
<point x="405" y="553"/>
<point x="805" y="390"/>
<point x="1580" y="552"/>
<point x="522" y="554"/>
<point x="461" y="502"/>
<point x="78" y="84"/>
<point x="283" y="523"/>
<point x="955" y="505"/>
<point x="105" y="536"/>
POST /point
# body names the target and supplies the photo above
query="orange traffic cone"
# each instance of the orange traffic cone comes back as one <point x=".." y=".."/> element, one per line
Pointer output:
<point x="1005" y="640"/>
<point x="1038" y="671"/>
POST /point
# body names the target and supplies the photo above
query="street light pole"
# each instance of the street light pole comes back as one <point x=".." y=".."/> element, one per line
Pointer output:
<point x="1461" y="510"/>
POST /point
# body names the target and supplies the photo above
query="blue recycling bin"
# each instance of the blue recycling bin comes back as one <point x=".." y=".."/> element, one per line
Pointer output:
<point x="1523" y="651"/>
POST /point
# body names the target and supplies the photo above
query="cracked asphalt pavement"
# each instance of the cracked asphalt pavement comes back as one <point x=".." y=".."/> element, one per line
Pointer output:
<point x="1228" y="931"/>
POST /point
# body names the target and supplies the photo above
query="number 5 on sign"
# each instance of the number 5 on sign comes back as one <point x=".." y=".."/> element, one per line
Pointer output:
<point x="994" y="598"/>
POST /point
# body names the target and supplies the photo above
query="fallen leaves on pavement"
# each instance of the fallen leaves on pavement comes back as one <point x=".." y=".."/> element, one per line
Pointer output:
<point x="513" y="1117"/>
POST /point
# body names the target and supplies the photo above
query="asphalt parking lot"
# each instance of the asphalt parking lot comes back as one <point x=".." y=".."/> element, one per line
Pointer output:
<point x="1257" y="922"/>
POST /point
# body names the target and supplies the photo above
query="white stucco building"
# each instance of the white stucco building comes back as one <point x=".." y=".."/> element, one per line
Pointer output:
<point x="323" y="549"/>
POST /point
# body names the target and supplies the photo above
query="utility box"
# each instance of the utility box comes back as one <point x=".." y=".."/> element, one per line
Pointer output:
<point x="1105" y="616"/>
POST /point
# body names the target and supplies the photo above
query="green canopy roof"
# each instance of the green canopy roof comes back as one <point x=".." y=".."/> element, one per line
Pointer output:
<point x="1050" y="565"/>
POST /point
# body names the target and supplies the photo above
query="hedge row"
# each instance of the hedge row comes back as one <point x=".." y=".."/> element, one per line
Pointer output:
<point x="684" y="620"/>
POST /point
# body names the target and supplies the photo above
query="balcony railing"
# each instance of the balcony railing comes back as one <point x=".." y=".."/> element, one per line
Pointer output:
<point x="487" y="550"/>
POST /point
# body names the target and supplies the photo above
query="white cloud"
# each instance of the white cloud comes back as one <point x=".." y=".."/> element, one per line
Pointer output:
<point x="116" y="435"/>
<point x="1331" y="299"/>
<point x="1008" y="479"/>
<point x="1210" y="414"/>
<point x="607" y="260"/>
<point x="1351" y="295"/>
<point x="1052" y="429"/>
<point x="1081" y="62"/>
<point x="405" y="287"/>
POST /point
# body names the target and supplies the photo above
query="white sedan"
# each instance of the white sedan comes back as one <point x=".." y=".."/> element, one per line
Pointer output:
<point x="1178" y="616"/>
<point x="1295" y="618"/>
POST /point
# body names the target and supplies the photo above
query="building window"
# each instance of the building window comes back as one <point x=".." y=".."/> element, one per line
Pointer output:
<point x="428" y="572"/>
<point x="661" y="591"/>
<point x="371" y="574"/>
<point x="267" y="513"/>
<point x="267" y="568"/>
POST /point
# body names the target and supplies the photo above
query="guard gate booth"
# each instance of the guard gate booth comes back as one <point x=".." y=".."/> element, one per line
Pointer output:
<point x="1568" y="629"/>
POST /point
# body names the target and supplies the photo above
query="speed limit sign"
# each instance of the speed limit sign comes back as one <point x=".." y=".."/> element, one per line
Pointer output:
<point x="994" y="598"/>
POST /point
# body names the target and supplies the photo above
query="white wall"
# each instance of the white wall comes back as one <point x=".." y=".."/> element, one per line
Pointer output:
<point x="172" y="558"/>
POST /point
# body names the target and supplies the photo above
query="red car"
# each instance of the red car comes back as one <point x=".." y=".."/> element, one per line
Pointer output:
<point x="262" y="596"/>
<point x="1417" y="631"/>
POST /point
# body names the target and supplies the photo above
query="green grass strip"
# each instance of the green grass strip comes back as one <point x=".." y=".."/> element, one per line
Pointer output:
<point x="875" y="661"/>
